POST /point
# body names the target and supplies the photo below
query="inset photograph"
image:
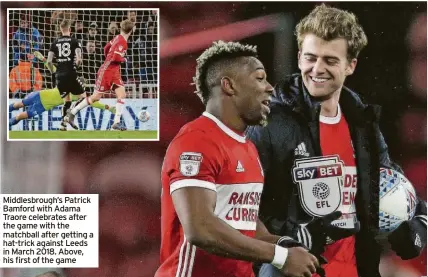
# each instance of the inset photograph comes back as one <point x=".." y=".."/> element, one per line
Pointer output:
<point x="83" y="74"/>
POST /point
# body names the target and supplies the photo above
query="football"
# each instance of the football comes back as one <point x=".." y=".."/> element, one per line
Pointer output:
<point x="143" y="115"/>
<point x="397" y="200"/>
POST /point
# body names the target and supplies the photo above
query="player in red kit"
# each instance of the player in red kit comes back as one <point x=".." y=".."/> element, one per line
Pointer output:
<point x="321" y="153"/>
<point x="108" y="76"/>
<point x="212" y="179"/>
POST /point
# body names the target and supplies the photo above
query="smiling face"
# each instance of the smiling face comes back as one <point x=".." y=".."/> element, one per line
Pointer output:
<point x="252" y="92"/>
<point x="324" y="65"/>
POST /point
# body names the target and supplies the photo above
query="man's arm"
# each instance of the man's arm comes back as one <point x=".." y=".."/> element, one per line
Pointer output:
<point x="119" y="57"/>
<point x="410" y="238"/>
<point x="263" y="234"/>
<point x="78" y="56"/>
<point x="119" y="52"/>
<point x="49" y="62"/>
<point x="195" y="209"/>
<point x="385" y="161"/>
<point x="202" y="228"/>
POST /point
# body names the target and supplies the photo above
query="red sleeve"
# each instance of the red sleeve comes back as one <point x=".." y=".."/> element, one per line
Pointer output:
<point x="193" y="160"/>
<point x="119" y="50"/>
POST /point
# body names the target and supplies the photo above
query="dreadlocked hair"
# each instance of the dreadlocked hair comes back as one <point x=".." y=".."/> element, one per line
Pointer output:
<point x="220" y="50"/>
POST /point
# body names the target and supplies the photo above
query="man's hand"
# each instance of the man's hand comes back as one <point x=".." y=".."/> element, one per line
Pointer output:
<point x="316" y="233"/>
<point x="41" y="58"/>
<point x="300" y="263"/>
<point x="289" y="242"/>
<point x="410" y="238"/>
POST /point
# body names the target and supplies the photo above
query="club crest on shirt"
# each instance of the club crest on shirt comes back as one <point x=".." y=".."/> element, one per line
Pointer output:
<point x="319" y="180"/>
<point x="190" y="163"/>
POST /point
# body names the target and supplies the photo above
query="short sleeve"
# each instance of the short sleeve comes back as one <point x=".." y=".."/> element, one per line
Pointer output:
<point x="119" y="47"/>
<point x="192" y="160"/>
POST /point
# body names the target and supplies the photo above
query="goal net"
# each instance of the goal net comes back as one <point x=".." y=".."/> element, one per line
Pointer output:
<point x="35" y="30"/>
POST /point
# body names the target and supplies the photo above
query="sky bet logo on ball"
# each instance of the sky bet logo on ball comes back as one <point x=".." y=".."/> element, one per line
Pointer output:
<point x="319" y="180"/>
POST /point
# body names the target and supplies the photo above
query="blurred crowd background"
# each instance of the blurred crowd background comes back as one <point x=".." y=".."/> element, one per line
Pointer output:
<point x="36" y="30"/>
<point x="391" y="72"/>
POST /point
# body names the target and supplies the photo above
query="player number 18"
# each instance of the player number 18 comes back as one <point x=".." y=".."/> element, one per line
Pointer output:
<point x="64" y="49"/>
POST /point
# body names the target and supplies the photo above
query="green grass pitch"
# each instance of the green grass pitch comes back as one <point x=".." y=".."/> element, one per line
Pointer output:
<point x="75" y="135"/>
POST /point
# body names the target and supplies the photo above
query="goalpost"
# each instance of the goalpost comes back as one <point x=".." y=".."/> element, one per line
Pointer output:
<point x="35" y="30"/>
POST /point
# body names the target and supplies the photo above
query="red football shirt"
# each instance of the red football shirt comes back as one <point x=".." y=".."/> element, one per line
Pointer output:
<point x="335" y="139"/>
<point x="114" y="53"/>
<point x="208" y="154"/>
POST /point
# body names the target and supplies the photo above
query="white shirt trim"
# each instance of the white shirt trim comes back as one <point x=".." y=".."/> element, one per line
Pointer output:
<point x="224" y="128"/>
<point x="332" y="120"/>
<point x="191" y="183"/>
